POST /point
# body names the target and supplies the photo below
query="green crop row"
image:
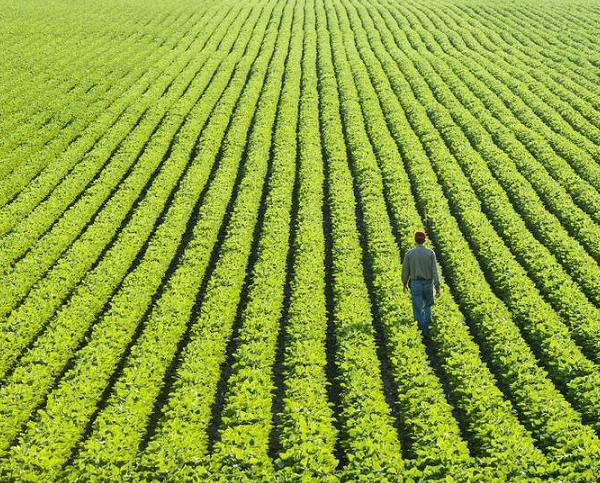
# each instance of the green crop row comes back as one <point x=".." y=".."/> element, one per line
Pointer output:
<point x="306" y="434"/>
<point x="547" y="150"/>
<point x="241" y="450"/>
<point x="47" y="97"/>
<point x="580" y="108"/>
<point x="450" y="32"/>
<point x="369" y="436"/>
<point x="573" y="65"/>
<point x="578" y="261"/>
<point x="558" y="99"/>
<point x="60" y="77"/>
<point x="526" y="115"/>
<point x="572" y="44"/>
<point x="57" y="113"/>
<point x="95" y="172"/>
<point x="543" y="268"/>
<point x="541" y="324"/>
<point x="171" y="450"/>
<point x="172" y="453"/>
<point x="525" y="44"/>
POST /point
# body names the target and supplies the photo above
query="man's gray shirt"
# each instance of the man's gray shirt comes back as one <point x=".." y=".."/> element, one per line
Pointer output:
<point x="420" y="262"/>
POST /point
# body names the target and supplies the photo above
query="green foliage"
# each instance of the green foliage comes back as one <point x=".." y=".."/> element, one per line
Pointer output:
<point x="203" y="211"/>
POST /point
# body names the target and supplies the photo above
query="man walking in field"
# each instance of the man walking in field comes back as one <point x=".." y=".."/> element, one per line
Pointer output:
<point x="419" y="268"/>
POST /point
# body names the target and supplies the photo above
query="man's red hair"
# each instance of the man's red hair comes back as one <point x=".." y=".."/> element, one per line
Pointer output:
<point x="420" y="237"/>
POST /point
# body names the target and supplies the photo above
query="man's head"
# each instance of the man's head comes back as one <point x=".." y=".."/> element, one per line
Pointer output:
<point x="420" y="237"/>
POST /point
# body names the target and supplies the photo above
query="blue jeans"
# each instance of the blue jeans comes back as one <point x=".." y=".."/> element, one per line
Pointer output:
<point x="421" y="292"/>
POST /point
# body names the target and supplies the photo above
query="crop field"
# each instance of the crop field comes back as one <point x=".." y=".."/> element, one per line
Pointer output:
<point x="204" y="205"/>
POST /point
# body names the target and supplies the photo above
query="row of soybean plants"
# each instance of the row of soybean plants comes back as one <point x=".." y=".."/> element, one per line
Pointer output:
<point x="528" y="118"/>
<point x="582" y="16"/>
<point x="130" y="407"/>
<point x="473" y="388"/>
<point x="61" y="117"/>
<point x="125" y="173"/>
<point x="244" y="432"/>
<point x="57" y="112"/>
<point x="576" y="78"/>
<point x="588" y="366"/>
<point x="306" y="434"/>
<point x="541" y="408"/>
<point x="549" y="276"/>
<point x="555" y="119"/>
<point x="509" y="278"/>
<point x="577" y="104"/>
<point x="367" y="431"/>
<point x="26" y="33"/>
<point x="475" y="394"/>
<point x="75" y="171"/>
<point x="466" y="128"/>
<point x="521" y="38"/>
<point x="38" y="174"/>
<point x="560" y="18"/>
<point x="11" y="75"/>
<point x="45" y="290"/>
<point x="93" y="366"/>
<point x="263" y="184"/>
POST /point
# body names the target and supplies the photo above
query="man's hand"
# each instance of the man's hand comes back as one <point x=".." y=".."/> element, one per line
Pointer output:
<point x="438" y="292"/>
<point x="406" y="288"/>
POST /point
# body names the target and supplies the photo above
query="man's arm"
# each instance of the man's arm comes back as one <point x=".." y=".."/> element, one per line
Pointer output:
<point x="405" y="271"/>
<point x="434" y="272"/>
